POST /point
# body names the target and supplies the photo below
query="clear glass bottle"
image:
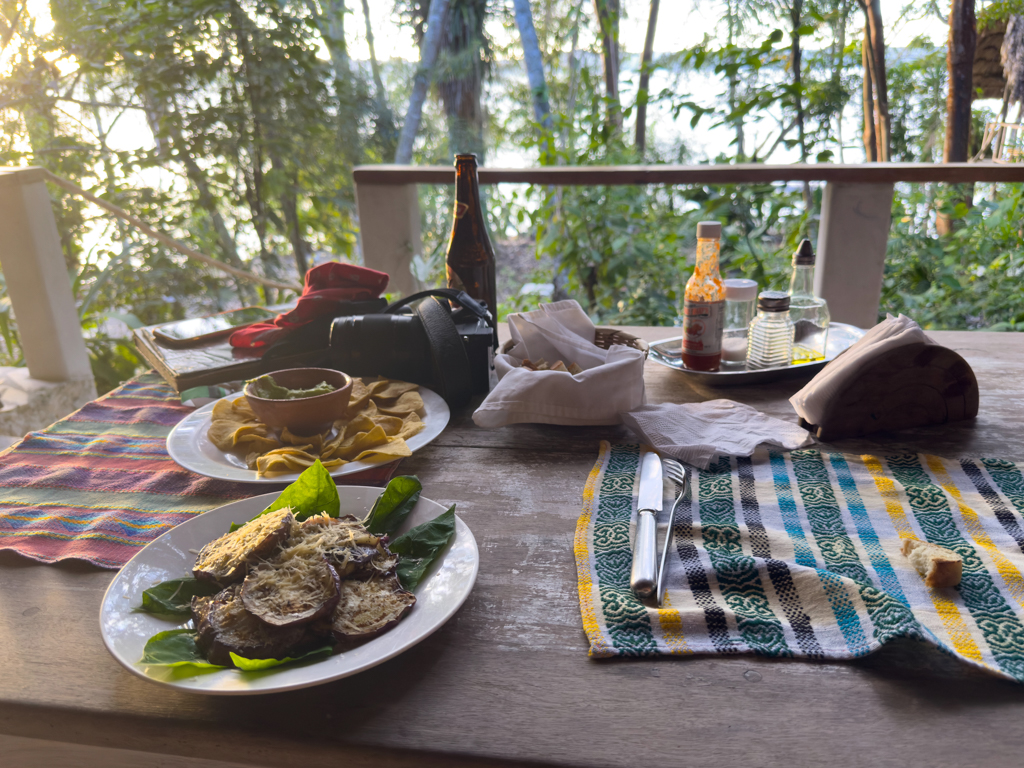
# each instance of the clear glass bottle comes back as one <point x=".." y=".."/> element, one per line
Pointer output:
<point x="770" y="342"/>
<point x="808" y="312"/>
<point x="740" y="306"/>
<point x="703" y="303"/>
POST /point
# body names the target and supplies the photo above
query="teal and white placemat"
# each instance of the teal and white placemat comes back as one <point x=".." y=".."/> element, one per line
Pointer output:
<point x="798" y="555"/>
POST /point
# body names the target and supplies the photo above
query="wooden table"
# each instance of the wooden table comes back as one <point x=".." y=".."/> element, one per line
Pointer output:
<point x="508" y="680"/>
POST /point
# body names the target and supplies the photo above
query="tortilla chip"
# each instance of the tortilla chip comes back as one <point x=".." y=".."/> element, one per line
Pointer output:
<point x="390" y="424"/>
<point x="242" y="408"/>
<point x="222" y="434"/>
<point x="317" y="441"/>
<point x="222" y="410"/>
<point x="411" y="425"/>
<point x="387" y="390"/>
<point x="394" y="449"/>
<point x="359" y="443"/>
<point x="410" y="402"/>
<point x="359" y="396"/>
<point x="257" y="443"/>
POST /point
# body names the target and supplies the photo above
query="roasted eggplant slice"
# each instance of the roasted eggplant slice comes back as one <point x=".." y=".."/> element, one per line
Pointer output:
<point x="227" y="559"/>
<point x="224" y="626"/>
<point x="293" y="588"/>
<point x="368" y="608"/>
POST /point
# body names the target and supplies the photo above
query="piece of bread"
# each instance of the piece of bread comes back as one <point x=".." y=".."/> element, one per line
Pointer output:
<point x="940" y="567"/>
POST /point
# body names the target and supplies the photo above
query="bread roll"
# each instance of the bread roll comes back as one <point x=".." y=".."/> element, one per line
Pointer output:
<point x="940" y="567"/>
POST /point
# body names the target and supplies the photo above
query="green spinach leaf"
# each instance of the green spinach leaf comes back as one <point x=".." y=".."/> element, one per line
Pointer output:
<point x="421" y="546"/>
<point x="254" y="665"/>
<point x="173" y="598"/>
<point x="175" y="648"/>
<point x="394" y="505"/>
<point x="312" y="492"/>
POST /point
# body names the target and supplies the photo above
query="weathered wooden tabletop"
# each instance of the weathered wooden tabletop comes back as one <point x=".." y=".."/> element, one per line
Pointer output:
<point x="508" y="679"/>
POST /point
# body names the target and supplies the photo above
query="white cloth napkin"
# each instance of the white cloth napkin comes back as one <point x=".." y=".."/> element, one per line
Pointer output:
<point x="697" y="432"/>
<point x="892" y="332"/>
<point x="611" y="383"/>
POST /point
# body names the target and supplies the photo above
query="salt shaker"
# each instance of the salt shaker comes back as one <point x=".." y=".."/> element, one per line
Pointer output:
<point x="770" y="342"/>
<point x="740" y="302"/>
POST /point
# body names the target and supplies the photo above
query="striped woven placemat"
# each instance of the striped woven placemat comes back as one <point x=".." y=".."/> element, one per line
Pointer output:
<point x="99" y="485"/>
<point x="798" y="555"/>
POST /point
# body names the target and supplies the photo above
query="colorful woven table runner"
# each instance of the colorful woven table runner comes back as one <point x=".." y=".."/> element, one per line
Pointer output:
<point x="798" y="555"/>
<point x="99" y="485"/>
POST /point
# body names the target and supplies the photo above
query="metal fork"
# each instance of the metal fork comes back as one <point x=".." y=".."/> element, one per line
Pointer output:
<point x="675" y="472"/>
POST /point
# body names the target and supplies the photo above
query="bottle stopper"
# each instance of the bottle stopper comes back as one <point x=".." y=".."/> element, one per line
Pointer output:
<point x="804" y="256"/>
<point x="709" y="230"/>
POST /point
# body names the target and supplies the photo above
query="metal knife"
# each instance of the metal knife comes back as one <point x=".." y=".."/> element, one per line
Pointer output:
<point x="643" y="579"/>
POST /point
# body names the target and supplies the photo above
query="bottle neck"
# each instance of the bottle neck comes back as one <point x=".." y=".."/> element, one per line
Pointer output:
<point x="467" y="190"/>
<point x="707" y="258"/>
<point x="801" y="283"/>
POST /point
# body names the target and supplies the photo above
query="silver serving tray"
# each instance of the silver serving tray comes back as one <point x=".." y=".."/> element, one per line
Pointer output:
<point x="840" y="338"/>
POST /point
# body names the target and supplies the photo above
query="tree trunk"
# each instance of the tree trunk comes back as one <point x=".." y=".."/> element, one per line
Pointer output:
<point x="428" y="57"/>
<point x="796" y="12"/>
<point x="734" y="83"/>
<point x="645" y="79"/>
<point x="330" y="21"/>
<point x="385" y="118"/>
<point x="873" y="17"/>
<point x="960" y="62"/>
<point x="870" y="140"/>
<point x="534" y="70"/>
<point x="608" y="19"/>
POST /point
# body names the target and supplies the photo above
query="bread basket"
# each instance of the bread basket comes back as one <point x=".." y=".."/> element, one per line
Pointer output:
<point x="605" y="338"/>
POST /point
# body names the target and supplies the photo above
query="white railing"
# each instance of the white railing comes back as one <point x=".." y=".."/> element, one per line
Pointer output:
<point x="852" y="234"/>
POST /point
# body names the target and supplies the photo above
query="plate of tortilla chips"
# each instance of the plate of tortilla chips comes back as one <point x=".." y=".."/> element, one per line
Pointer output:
<point x="386" y="420"/>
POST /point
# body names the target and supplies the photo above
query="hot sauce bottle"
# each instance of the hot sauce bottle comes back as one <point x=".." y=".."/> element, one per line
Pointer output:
<point x="703" y="303"/>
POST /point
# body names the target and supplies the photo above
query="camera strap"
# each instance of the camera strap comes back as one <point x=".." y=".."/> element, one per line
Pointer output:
<point x="450" y="363"/>
<point x="476" y="308"/>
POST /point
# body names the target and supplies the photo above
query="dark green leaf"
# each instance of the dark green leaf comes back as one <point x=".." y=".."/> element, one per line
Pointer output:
<point x="394" y="505"/>
<point x="421" y="546"/>
<point x="312" y="493"/>
<point x="174" y="598"/>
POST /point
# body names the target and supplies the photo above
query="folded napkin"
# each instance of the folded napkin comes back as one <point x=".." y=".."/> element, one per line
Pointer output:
<point x="891" y="333"/>
<point x="697" y="432"/>
<point x="798" y="555"/>
<point x="612" y="380"/>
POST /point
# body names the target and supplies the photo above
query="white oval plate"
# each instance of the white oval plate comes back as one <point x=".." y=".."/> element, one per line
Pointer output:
<point x="190" y="447"/>
<point x="125" y="633"/>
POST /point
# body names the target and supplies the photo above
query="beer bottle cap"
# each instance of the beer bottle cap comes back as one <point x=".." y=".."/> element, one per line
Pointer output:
<point x="709" y="230"/>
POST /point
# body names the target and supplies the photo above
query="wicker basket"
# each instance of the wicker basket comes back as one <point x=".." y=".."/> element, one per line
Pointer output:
<point x="605" y="338"/>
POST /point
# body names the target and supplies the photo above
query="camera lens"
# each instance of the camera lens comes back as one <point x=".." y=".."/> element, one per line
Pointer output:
<point x="393" y="346"/>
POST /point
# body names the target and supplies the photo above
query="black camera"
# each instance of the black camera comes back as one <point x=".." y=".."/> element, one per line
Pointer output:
<point x="450" y="351"/>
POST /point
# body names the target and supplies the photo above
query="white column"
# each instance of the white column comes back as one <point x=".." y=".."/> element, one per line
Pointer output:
<point x="37" y="279"/>
<point x="389" y="228"/>
<point x="852" y="237"/>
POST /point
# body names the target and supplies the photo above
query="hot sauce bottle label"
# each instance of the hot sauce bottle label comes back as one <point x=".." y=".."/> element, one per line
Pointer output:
<point x="702" y="327"/>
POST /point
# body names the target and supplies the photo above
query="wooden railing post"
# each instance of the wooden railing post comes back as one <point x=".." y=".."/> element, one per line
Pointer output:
<point x="389" y="229"/>
<point x="852" y="238"/>
<point x="37" y="280"/>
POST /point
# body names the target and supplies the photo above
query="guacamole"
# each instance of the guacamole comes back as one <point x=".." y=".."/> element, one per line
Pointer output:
<point x="265" y="386"/>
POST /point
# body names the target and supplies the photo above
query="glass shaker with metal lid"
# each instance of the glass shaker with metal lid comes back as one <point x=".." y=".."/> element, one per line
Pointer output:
<point x="770" y="342"/>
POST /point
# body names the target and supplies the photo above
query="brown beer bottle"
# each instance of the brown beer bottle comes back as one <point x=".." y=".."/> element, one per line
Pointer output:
<point x="470" y="259"/>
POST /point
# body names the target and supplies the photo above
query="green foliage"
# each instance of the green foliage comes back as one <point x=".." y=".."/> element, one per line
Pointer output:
<point x="967" y="280"/>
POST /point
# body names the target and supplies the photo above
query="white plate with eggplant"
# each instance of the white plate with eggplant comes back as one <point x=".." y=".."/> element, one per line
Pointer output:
<point x="285" y="591"/>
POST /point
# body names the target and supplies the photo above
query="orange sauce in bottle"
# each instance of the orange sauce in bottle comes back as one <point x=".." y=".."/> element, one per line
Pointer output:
<point x="704" y="303"/>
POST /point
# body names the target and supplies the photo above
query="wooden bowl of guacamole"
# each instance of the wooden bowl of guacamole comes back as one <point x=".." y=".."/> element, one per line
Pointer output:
<point x="305" y="400"/>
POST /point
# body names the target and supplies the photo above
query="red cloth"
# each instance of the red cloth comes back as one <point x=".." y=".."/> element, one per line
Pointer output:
<point x="326" y="286"/>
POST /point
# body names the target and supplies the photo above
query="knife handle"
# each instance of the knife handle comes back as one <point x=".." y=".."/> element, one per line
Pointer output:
<point x="644" y="578"/>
